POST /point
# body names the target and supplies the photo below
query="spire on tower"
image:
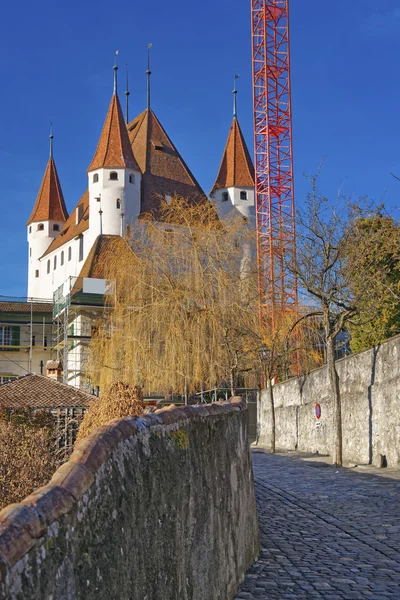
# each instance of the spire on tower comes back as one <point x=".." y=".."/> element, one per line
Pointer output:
<point x="127" y="94"/>
<point x="51" y="137"/>
<point x="234" y="96"/>
<point x="115" y="67"/>
<point x="148" y="73"/>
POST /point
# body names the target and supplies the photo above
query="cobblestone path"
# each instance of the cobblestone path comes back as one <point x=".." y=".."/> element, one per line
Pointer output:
<point x="325" y="532"/>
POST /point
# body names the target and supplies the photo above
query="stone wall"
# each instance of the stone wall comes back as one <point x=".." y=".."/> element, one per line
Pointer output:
<point x="157" y="507"/>
<point x="370" y="390"/>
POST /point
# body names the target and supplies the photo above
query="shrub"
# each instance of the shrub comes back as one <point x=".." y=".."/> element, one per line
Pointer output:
<point x="118" y="401"/>
<point x="26" y="453"/>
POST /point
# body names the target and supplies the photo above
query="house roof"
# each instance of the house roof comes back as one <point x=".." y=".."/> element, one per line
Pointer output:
<point x="104" y="250"/>
<point x="38" y="391"/>
<point x="25" y="307"/>
<point x="236" y="169"/>
<point x="70" y="228"/>
<point x="114" y="149"/>
<point x="49" y="205"/>
<point x="164" y="172"/>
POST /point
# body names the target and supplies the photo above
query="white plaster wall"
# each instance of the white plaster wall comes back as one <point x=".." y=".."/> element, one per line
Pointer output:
<point x="38" y="242"/>
<point x="245" y="207"/>
<point x="114" y="219"/>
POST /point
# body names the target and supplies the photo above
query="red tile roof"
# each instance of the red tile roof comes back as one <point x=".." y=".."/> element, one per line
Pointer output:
<point x="25" y="307"/>
<point x="70" y="228"/>
<point x="236" y="169"/>
<point x="37" y="391"/>
<point x="164" y="172"/>
<point x="113" y="149"/>
<point x="49" y="205"/>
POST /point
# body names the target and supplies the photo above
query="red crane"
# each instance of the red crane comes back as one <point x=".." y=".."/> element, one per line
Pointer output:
<point x="275" y="209"/>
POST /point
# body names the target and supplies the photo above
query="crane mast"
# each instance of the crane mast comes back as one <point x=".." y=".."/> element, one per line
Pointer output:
<point x="275" y="208"/>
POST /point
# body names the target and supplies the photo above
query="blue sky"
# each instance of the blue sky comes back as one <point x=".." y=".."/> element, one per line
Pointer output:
<point x="56" y="64"/>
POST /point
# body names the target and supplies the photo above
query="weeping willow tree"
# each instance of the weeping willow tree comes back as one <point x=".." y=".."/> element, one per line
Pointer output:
<point x="185" y="314"/>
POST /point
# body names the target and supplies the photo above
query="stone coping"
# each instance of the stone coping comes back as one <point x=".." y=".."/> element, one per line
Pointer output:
<point x="23" y="523"/>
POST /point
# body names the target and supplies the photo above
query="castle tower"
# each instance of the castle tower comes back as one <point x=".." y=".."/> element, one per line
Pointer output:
<point x="234" y="185"/>
<point x="48" y="216"/>
<point x="114" y="176"/>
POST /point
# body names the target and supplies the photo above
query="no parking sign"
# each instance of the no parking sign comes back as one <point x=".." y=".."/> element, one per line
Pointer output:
<point x="318" y="411"/>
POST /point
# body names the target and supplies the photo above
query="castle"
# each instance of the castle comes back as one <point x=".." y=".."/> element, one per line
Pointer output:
<point x="135" y="165"/>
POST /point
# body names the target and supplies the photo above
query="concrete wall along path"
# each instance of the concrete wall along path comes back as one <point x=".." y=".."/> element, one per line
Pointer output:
<point x="370" y="392"/>
<point x="157" y="507"/>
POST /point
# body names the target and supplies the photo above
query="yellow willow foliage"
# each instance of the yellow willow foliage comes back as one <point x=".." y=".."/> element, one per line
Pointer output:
<point x="185" y="313"/>
<point x="118" y="401"/>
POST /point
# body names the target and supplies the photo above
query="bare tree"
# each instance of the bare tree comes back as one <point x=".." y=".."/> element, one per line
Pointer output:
<point x="326" y="256"/>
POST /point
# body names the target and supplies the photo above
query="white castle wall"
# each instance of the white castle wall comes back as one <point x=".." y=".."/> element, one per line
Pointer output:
<point x="245" y="207"/>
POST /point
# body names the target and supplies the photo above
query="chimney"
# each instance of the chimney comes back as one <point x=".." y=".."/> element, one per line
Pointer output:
<point x="54" y="370"/>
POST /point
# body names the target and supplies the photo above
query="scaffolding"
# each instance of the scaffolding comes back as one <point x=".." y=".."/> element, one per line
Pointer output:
<point x="77" y="305"/>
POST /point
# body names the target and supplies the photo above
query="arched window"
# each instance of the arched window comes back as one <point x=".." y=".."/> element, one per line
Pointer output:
<point x="131" y="178"/>
<point x="55" y="263"/>
<point x="30" y="251"/>
<point x="56" y="227"/>
<point x="37" y="273"/>
<point x="95" y="178"/>
<point x="114" y="175"/>
<point x="40" y="227"/>
<point x="48" y="266"/>
<point x="118" y="203"/>
<point x="80" y="248"/>
<point x="62" y="258"/>
<point x="69" y="253"/>
<point x="30" y="228"/>
<point x="225" y="196"/>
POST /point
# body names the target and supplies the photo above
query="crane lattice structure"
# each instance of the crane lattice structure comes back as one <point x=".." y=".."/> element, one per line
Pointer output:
<point x="275" y="208"/>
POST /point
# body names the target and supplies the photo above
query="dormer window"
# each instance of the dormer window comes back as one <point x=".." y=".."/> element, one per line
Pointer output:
<point x="225" y="196"/>
<point x="95" y="178"/>
<point x="79" y="213"/>
<point x="118" y="203"/>
<point x="243" y="195"/>
<point x="113" y="175"/>
<point x="40" y="227"/>
<point x="131" y="178"/>
<point x="56" y="228"/>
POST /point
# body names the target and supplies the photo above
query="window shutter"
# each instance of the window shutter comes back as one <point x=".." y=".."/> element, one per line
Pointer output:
<point x="15" y="337"/>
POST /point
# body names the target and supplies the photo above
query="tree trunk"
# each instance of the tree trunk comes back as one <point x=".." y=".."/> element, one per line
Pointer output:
<point x="272" y="406"/>
<point x="337" y="406"/>
<point x="233" y="384"/>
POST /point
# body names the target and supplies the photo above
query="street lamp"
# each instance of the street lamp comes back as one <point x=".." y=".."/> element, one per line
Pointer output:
<point x="264" y="354"/>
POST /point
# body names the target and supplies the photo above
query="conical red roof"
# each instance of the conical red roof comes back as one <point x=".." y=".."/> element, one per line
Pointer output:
<point x="114" y="149"/>
<point x="164" y="172"/>
<point x="49" y="205"/>
<point x="236" y="168"/>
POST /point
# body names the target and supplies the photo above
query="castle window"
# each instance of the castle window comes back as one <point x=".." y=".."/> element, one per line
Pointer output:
<point x="131" y="178"/>
<point x="40" y="227"/>
<point x="37" y="273"/>
<point x="69" y="253"/>
<point x="30" y="228"/>
<point x="225" y="196"/>
<point x="118" y="203"/>
<point x="56" y="228"/>
<point x="81" y="248"/>
<point x="30" y="251"/>
<point x="48" y="267"/>
<point x="113" y="175"/>
<point x="95" y="178"/>
<point x="55" y="263"/>
<point x="62" y="258"/>
<point x="243" y="195"/>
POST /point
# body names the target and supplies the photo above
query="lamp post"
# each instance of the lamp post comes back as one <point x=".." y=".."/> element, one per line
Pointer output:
<point x="266" y="359"/>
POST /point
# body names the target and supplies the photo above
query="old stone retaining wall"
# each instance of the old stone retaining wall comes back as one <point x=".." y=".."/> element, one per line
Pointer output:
<point x="370" y="391"/>
<point x="158" y="507"/>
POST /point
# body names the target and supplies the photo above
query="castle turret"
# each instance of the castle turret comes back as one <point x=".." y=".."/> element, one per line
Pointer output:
<point x="114" y="176"/>
<point x="48" y="216"/>
<point x="234" y="185"/>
